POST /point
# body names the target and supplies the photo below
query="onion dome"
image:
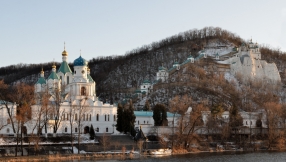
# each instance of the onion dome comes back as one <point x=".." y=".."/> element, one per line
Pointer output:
<point x="42" y="72"/>
<point x="54" y="66"/>
<point x="80" y="62"/>
<point x="65" y="53"/>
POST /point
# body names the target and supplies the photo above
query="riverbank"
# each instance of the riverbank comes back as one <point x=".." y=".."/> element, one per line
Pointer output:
<point x="109" y="155"/>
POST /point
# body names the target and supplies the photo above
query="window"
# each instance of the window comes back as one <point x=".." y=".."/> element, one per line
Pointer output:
<point x="83" y="116"/>
<point x="66" y="129"/>
<point x="250" y="122"/>
<point x="8" y="130"/>
<point x="144" y="121"/>
<point x="68" y="79"/>
<point x="114" y="118"/>
<point x="89" y="117"/>
<point x="246" y="122"/>
<point x="97" y="129"/>
<point x="106" y="129"/>
<point x="105" y="117"/>
<point x="75" y="129"/>
<point x="75" y="117"/>
<point x="108" y="117"/>
<point x="97" y="117"/>
<point x="8" y="121"/>
<point x="61" y="77"/>
<point x="75" y="72"/>
<point x="67" y="116"/>
<point x="138" y="122"/>
<point x="83" y="91"/>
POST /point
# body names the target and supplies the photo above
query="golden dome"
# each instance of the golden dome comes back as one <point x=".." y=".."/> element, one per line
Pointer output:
<point x="65" y="53"/>
<point x="42" y="72"/>
<point x="54" y="66"/>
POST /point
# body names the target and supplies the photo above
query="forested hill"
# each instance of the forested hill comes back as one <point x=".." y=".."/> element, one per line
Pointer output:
<point x="117" y="73"/>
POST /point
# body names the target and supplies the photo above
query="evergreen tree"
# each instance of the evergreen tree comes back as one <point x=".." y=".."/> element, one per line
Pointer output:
<point x="160" y="115"/>
<point x="129" y="118"/>
<point x="91" y="132"/>
<point x="120" y="117"/>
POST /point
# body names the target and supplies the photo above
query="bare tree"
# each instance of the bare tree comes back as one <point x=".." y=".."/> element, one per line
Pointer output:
<point x="81" y="110"/>
<point x="105" y="141"/>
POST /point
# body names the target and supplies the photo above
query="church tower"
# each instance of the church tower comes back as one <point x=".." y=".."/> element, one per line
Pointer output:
<point x="41" y="83"/>
<point x="64" y="71"/>
<point x="54" y="81"/>
<point x="82" y="86"/>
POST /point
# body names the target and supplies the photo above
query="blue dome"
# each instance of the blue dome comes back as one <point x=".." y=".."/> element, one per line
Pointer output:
<point x="80" y="62"/>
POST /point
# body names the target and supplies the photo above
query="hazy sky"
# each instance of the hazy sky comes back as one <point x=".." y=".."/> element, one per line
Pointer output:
<point x="34" y="31"/>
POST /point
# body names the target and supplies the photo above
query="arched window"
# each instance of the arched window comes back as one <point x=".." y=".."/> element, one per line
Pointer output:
<point x="68" y="79"/>
<point x="8" y="121"/>
<point x="105" y="117"/>
<point x="144" y="121"/>
<point x="138" y="122"/>
<point x="97" y="129"/>
<point x="67" y="116"/>
<point x="89" y="117"/>
<point x="114" y="118"/>
<point x="83" y="116"/>
<point x="61" y="78"/>
<point x="66" y="129"/>
<point x="106" y="129"/>
<point x="97" y="117"/>
<point x="246" y="122"/>
<point x="86" y="117"/>
<point x="75" y="129"/>
<point x="108" y="117"/>
<point x="75" y="117"/>
<point x="8" y="130"/>
<point x="83" y="91"/>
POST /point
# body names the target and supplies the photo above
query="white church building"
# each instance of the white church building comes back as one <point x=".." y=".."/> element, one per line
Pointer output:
<point x="72" y="102"/>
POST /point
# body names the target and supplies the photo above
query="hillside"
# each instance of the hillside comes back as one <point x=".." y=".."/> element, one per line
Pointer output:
<point x="117" y="76"/>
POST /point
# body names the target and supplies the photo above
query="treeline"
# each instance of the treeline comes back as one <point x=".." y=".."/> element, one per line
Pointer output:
<point x="113" y="73"/>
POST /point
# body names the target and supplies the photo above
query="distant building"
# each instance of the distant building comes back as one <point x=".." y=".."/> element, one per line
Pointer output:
<point x="146" y="87"/>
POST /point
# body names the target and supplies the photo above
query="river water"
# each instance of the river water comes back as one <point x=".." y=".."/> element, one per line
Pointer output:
<point x="265" y="156"/>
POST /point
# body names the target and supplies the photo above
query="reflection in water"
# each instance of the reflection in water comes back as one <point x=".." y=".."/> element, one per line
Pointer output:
<point x="265" y="156"/>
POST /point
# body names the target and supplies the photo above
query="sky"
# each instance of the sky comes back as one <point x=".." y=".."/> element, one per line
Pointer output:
<point x="34" y="31"/>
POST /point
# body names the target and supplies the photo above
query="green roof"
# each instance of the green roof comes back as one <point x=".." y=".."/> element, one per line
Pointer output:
<point x="90" y="78"/>
<point x="150" y="113"/>
<point x="41" y="80"/>
<point x="138" y="91"/>
<point x="53" y="75"/>
<point x="65" y="68"/>
<point x="162" y="68"/>
<point x="146" y="81"/>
